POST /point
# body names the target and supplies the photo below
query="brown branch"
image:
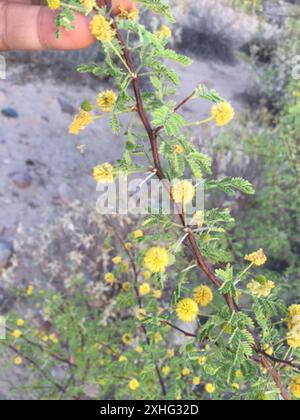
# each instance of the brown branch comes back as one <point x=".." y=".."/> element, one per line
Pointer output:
<point x="201" y="261"/>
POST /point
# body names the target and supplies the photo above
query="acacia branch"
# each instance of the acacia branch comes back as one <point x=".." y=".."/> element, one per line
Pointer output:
<point x="201" y="261"/>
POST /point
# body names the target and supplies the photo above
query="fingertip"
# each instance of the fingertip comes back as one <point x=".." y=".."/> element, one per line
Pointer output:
<point x="74" y="39"/>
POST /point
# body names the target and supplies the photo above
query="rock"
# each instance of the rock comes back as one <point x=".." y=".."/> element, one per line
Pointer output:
<point x="21" y="180"/>
<point x="66" y="107"/>
<point x="6" y="251"/>
<point x="10" y="113"/>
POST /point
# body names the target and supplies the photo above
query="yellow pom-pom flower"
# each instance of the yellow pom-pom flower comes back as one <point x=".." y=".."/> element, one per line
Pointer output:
<point x="185" y="372"/>
<point x="144" y="289"/>
<point x="139" y="349"/>
<point x="110" y="279"/>
<point x="294" y="316"/>
<point x="257" y="258"/>
<point x="82" y="120"/>
<point x="103" y="173"/>
<point x="140" y="314"/>
<point x="18" y="361"/>
<point x="20" y="322"/>
<point x="127" y="339"/>
<point x="166" y="370"/>
<point x="106" y="101"/>
<point x="202" y="360"/>
<point x="261" y="286"/>
<point x="295" y="386"/>
<point x="198" y="219"/>
<point x="203" y="295"/>
<point x="178" y="149"/>
<point x="183" y="192"/>
<point x="156" y="260"/>
<point x="117" y="260"/>
<point x="16" y="333"/>
<point x="187" y="310"/>
<point x="293" y="337"/>
<point x="101" y="29"/>
<point x="54" y="4"/>
<point x="29" y="290"/>
<point x="210" y="388"/>
<point x="88" y="4"/>
<point x="132" y="14"/>
<point x="122" y="359"/>
<point x="196" y="381"/>
<point x="157" y="294"/>
<point x="222" y="113"/>
<point x="134" y="384"/>
<point x="126" y="286"/>
<point x="164" y="32"/>
<point x="138" y="234"/>
<point x="147" y="275"/>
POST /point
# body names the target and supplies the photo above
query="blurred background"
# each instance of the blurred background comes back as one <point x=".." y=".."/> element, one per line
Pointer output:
<point x="246" y="50"/>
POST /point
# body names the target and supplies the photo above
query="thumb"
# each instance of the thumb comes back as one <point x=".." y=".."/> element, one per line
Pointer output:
<point x="26" y="27"/>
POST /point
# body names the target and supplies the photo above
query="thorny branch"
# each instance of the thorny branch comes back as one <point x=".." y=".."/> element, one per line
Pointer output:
<point x="201" y="261"/>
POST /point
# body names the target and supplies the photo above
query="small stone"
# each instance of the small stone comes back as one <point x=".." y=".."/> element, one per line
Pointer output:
<point x="10" y="113"/>
<point x="6" y="251"/>
<point x="66" y="107"/>
<point x="21" y="180"/>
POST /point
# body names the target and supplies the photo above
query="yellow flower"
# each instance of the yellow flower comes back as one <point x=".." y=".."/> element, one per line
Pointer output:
<point x="45" y="338"/>
<point x="210" y="388"/>
<point x="110" y="278"/>
<point x="117" y="260"/>
<point x="125" y="267"/>
<point x="122" y="359"/>
<point x="147" y="275"/>
<point x="54" y="4"/>
<point x="187" y="310"/>
<point x="101" y="29"/>
<point x="144" y="289"/>
<point x="293" y="337"/>
<point x="29" y="291"/>
<point x="126" y="286"/>
<point x="239" y="374"/>
<point x="127" y="339"/>
<point x="295" y="386"/>
<point x="81" y="120"/>
<point x="134" y="384"/>
<point x="163" y="32"/>
<point x="140" y="314"/>
<point x="183" y="192"/>
<point x="198" y="219"/>
<point x="235" y="386"/>
<point x="103" y="173"/>
<point x="157" y="294"/>
<point x="222" y="113"/>
<point x="88" y="4"/>
<point x="203" y="295"/>
<point x="156" y="260"/>
<point x="294" y="316"/>
<point x="261" y="287"/>
<point x="157" y="337"/>
<point x="106" y="101"/>
<point x="132" y="14"/>
<point x="138" y="234"/>
<point x="268" y="349"/>
<point x="18" y="361"/>
<point x="128" y="246"/>
<point x="258" y="258"/>
<point x="171" y="353"/>
<point x="139" y="349"/>
<point x="202" y="360"/>
<point x="16" y="334"/>
<point x="166" y="370"/>
<point x="185" y="371"/>
<point x="196" y="381"/>
<point x="20" y="322"/>
<point x="53" y="338"/>
<point x="178" y="396"/>
<point x="178" y="149"/>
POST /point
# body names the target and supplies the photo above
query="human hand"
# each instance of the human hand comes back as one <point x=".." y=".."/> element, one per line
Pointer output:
<point x="27" y="25"/>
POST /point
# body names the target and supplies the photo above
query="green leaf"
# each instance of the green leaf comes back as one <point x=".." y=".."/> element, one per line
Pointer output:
<point x="157" y="6"/>
<point x="230" y="185"/>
